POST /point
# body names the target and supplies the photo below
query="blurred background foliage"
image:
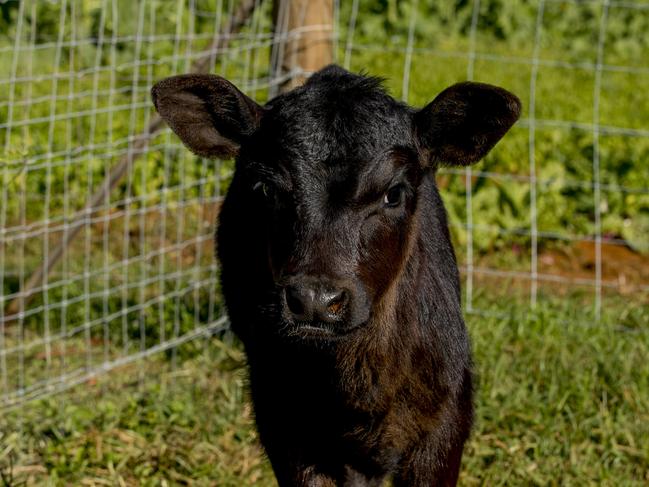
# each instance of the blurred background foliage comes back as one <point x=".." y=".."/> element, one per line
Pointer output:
<point x="504" y="44"/>
<point x="83" y="76"/>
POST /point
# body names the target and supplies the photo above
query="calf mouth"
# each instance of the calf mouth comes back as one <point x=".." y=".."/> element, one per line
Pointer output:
<point x="320" y="331"/>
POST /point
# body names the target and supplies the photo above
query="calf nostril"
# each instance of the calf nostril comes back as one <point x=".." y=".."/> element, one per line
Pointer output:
<point x="336" y="302"/>
<point x="294" y="301"/>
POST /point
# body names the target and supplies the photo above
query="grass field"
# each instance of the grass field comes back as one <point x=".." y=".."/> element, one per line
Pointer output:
<point x="556" y="405"/>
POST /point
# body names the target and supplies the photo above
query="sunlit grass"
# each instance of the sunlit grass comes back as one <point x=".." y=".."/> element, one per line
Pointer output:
<point x="557" y="404"/>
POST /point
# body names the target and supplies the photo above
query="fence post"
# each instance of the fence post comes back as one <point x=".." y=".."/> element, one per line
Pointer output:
<point x="303" y="40"/>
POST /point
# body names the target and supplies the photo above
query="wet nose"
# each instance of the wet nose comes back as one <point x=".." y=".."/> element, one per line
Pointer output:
<point x="311" y="301"/>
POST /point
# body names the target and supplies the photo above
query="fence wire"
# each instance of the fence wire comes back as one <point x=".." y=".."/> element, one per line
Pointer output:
<point x="137" y="277"/>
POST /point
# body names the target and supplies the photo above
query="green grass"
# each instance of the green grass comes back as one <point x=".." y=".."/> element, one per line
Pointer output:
<point x="556" y="405"/>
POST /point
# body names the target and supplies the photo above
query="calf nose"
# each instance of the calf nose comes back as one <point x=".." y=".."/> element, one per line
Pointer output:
<point x="312" y="302"/>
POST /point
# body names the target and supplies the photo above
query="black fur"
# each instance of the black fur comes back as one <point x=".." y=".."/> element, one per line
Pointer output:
<point x="334" y="194"/>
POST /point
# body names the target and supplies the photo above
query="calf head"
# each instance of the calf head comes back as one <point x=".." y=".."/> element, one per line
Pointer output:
<point x="329" y="179"/>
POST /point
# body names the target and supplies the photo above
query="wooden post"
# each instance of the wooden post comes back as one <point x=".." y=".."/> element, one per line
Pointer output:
<point x="304" y="40"/>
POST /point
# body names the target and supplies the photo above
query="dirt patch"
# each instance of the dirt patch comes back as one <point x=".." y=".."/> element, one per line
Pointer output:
<point x="622" y="269"/>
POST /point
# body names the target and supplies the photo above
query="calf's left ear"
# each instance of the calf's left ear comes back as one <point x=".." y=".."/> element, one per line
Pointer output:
<point x="209" y="114"/>
<point x="463" y="123"/>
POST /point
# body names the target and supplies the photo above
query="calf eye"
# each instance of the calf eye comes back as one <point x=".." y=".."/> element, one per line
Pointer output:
<point x="393" y="196"/>
<point x="262" y="188"/>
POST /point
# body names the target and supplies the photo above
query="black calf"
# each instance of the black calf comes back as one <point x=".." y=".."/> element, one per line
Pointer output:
<point x="338" y="270"/>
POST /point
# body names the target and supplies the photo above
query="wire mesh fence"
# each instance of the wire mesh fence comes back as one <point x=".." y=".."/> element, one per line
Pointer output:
<point x="106" y="221"/>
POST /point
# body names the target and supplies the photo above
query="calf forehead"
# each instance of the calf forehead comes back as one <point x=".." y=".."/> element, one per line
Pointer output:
<point x="335" y="125"/>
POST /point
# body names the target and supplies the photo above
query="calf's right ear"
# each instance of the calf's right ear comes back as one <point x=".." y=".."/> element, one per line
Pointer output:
<point x="209" y="114"/>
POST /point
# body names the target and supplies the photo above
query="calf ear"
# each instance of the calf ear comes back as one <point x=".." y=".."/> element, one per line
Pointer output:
<point x="462" y="124"/>
<point x="209" y="114"/>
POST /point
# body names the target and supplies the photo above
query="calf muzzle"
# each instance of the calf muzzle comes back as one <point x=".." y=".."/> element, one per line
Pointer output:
<point x="313" y="300"/>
